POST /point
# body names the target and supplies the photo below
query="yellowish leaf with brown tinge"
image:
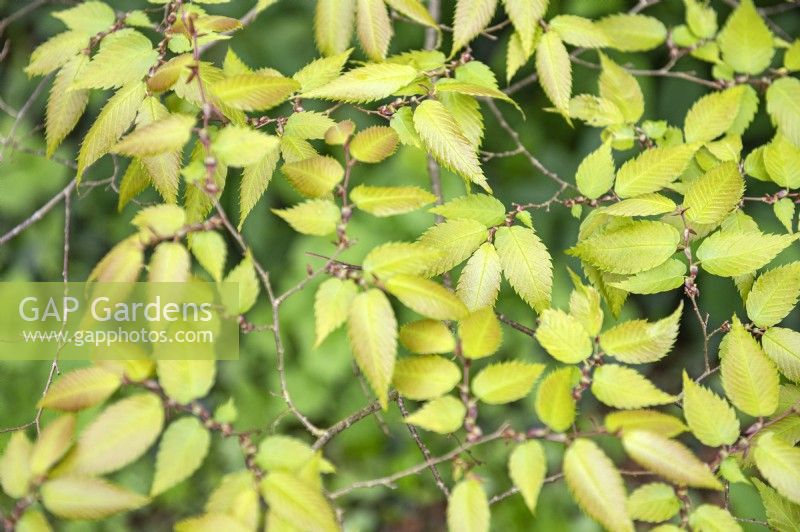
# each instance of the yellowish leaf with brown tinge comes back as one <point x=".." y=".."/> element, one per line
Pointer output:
<point x="254" y="92"/>
<point x="314" y="177"/>
<point x="87" y="498"/>
<point x="374" y="144"/>
<point x="372" y="329"/>
<point x="333" y="25"/>
<point x="168" y="74"/>
<point x="80" y="388"/>
<point x="470" y="19"/>
<point x="374" y="28"/>
<point x="168" y="134"/>
<point x="555" y="70"/>
<point x="64" y="107"/>
<point x="15" y="470"/>
<point x="170" y="263"/>
<point x="51" y="445"/>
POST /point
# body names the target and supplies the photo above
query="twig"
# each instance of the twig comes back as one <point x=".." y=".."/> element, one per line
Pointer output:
<point x="426" y="453"/>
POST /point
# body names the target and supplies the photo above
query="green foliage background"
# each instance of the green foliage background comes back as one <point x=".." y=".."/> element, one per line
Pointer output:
<point x="321" y="380"/>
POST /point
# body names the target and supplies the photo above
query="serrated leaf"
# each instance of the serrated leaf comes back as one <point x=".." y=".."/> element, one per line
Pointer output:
<point x="524" y="16"/>
<point x="255" y="180"/>
<point x="654" y="502"/>
<point x="779" y="462"/>
<point x="782" y="514"/>
<point x="653" y="170"/>
<point x="449" y="85"/>
<point x="667" y="276"/>
<point x="527" y="467"/>
<point x="164" y="135"/>
<point x="479" y="282"/>
<point x="373" y="27"/>
<point x="427" y="336"/>
<point x="784" y="212"/>
<point x="710" y="518"/>
<point x="390" y="201"/>
<point x="409" y="258"/>
<point x="480" y="333"/>
<point x="245" y="275"/>
<point x="782" y="346"/>
<point x="331" y="304"/>
<point x="579" y="31"/>
<point x="87" y="498"/>
<point x="372" y="329"/>
<point x="415" y="10"/>
<point x="712" y="115"/>
<point x="782" y="97"/>
<point x="619" y="86"/>
<point x="596" y="485"/>
<point x="669" y="459"/>
<point x="505" y="382"/>
<point x="366" y="84"/>
<point x="186" y="380"/>
<point x="374" y="144"/>
<point x="321" y="71"/>
<point x="639" y="342"/>
<point x="713" y="195"/>
<point x="644" y="205"/>
<point x="554" y="69"/>
<point x="733" y="253"/>
<point x="122" y="433"/>
<point x="774" y="295"/>
<point x="51" y="445"/>
<point x="64" y="107"/>
<point x="56" y="52"/>
<point x="632" y="33"/>
<point x="623" y="387"/>
<point x="169" y="73"/>
<point x="242" y="146"/>
<point x="595" y="174"/>
<point x="79" y="389"/>
<point x="312" y="217"/>
<point x="333" y="25"/>
<point x="526" y="264"/>
<point x="284" y="453"/>
<point x="631" y="248"/>
<point x="710" y="417"/>
<point x="170" y="262"/>
<point x="218" y="521"/>
<point x="15" y="466"/>
<point x="182" y="450"/>
<point x="479" y="207"/>
<point x="468" y="508"/>
<point x="442" y="415"/>
<point x="516" y="57"/>
<point x="584" y="305"/>
<point x="782" y="161"/>
<point x="425" y="377"/>
<point x="554" y="404"/>
<point x="426" y="297"/>
<point x="87" y="17"/>
<point x="456" y="240"/>
<point x="648" y="420"/>
<point x="297" y="502"/>
<point x="254" y="92"/>
<point x="445" y="141"/>
<point x="563" y="336"/>
<point x="124" y="57"/>
<point x="745" y="40"/>
<point x="314" y="177"/>
<point x="470" y="19"/>
<point x="749" y="378"/>
<point x="116" y="117"/>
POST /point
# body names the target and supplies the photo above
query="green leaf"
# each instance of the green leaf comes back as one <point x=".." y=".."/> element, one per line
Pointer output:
<point x="321" y="71"/>
<point x="445" y="141"/>
<point x="403" y="123"/>
<point x="308" y="124"/>
<point x="390" y="201"/>
<point x="64" y="107"/>
<point x="623" y="387"/>
<point x="654" y="502"/>
<point x="470" y="19"/>
<point x="87" y="498"/>
<point x="782" y="514"/>
<point x="563" y="336"/>
<point x="33" y="521"/>
<point x="579" y="31"/>
<point x="56" y="52"/>
<point x="124" y="57"/>
<point x="505" y="382"/>
<point x="630" y="248"/>
<point x="527" y="466"/>
<point x="736" y="252"/>
<point x="333" y="25"/>
<point x="314" y="177"/>
<point x="584" y="305"/>
<point x="15" y="466"/>
<point x="216" y="521"/>
<point x="468" y="508"/>
<point x="773" y="295"/>
<point x="639" y="342"/>
<point x="782" y="161"/>
<point x="87" y="17"/>
<point x="79" y="389"/>
<point x="186" y="380"/>
<point x="372" y="329"/>
<point x="374" y="28"/>
<point x="122" y="433"/>
<point x="409" y="258"/>
<point x="653" y="169"/>
<point x="243" y="146"/>
<point x="170" y="262"/>
<point x="182" y="451"/>
<point x="596" y="485"/>
<point x="526" y="264"/>
<point x="427" y="336"/>
<point x="782" y="346"/>
<point x="312" y="217"/>
<point x="374" y="144"/>
<point x="169" y="73"/>
<point x="331" y="304"/>
<point x="595" y="174"/>
<point x="366" y="84"/>
<point x="784" y="212"/>
<point x="159" y="221"/>
<point x="479" y="282"/>
<point x="669" y="459"/>
<point x="554" y="69"/>
<point x="709" y="416"/>
<point x="165" y="135"/>
<point x="745" y="40"/>
<point x="619" y="86"/>
<point x="644" y="205"/>
<point x="713" y="195"/>
<point x="779" y="462"/>
<point x="667" y="276"/>
<point x="254" y="92"/>
<point x="649" y="420"/>
<point x="442" y="415"/>
<point x="449" y="85"/>
<point x="51" y="445"/>
<point x="749" y="378"/>
<point x="782" y="106"/>
<point x="456" y="240"/>
<point x="284" y="453"/>
<point x="554" y="404"/>
<point x="244" y="274"/>
<point x="425" y="377"/>
<point x="712" y="115"/>
<point x="415" y="10"/>
<point x="255" y="180"/>
<point x="482" y="208"/>
<point x="710" y="518"/>
<point x="480" y="333"/>
<point x="297" y="502"/>
<point x="116" y="117"/>
<point x="524" y="16"/>
<point x="516" y="56"/>
<point x="632" y="33"/>
<point x="426" y="297"/>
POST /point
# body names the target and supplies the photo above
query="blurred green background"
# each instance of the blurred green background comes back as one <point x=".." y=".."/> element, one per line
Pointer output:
<point x="322" y="380"/>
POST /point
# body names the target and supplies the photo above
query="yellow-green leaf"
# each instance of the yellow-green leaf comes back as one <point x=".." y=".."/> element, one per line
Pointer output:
<point x="638" y="342"/>
<point x="331" y="304"/>
<point x="425" y="377"/>
<point x="333" y="25"/>
<point x="619" y="86"/>
<point x="712" y="115"/>
<point x="654" y="502"/>
<point x="182" y="450"/>
<point x="254" y="92"/>
<point x="124" y="57"/>
<point x="554" y="69"/>
<point x="366" y="84"/>
<point x="426" y="297"/>
<point x="470" y="19"/>
<point x="186" y="380"/>
<point x="505" y="382"/>
<point x="563" y="336"/>
<point x="442" y="415"/>
<point x="779" y="462"/>
<point x="782" y="346"/>
<point x="713" y="195"/>
<point x="555" y="405"/>
<point x="372" y="329"/>
<point x="526" y="264"/>
<point x="653" y="170"/>
<point x="773" y="295"/>
<point x="632" y="33"/>
<point x="64" y="107"/>
<point x="479" y="282"/>
<point x="710" y="518"/>
<point x="480" y="333"/>
<point x="80" y="388"/>
<point x="87" y="498"/>
<point x="52" y="444"/>
<point x="390" y="201"/>
<point x="374" y="28"/>
<point x="15" y="466"/>
<point x="527" y="466"/>
<point x="456" y="239"/>
<point x="709" y="416"/>
<point x="298" y="503"/>
<point x="733" y="252"/>
<point x="595" y="174"/>
<point x="745" y="40"/>
<point x="649" y="420"/>
<point x="312" y="217"/>
<point x="427" y="336"/>
<point x="623" y="387"/>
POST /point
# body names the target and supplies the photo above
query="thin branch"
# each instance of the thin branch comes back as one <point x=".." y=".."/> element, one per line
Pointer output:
<point x="39" y="213"/>
<point x="426" y="453"/>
